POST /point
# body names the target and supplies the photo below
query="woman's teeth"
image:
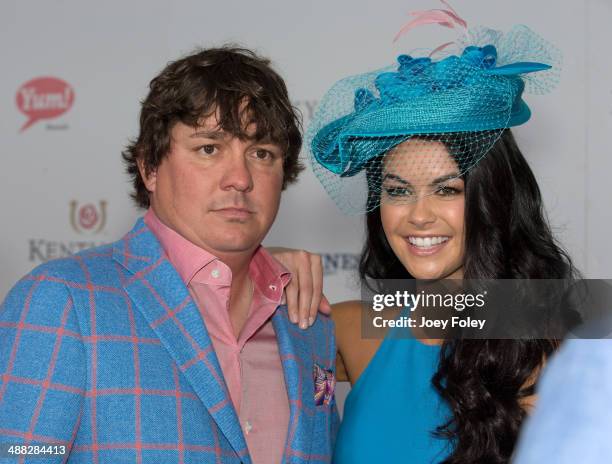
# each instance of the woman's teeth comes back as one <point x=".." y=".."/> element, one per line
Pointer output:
<point x="427" y="242"/>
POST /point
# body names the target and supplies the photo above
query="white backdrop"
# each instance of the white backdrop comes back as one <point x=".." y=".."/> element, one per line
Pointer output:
<point x="62" y="185"/>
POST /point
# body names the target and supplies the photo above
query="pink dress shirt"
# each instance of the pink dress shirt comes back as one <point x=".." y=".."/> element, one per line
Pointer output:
<point x="251" y="364"/>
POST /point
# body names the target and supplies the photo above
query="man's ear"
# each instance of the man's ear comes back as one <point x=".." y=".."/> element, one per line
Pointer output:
<point x="149" y="179"/>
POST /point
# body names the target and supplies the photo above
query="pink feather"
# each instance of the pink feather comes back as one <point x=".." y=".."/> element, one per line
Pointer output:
<point x="446" y="18"/>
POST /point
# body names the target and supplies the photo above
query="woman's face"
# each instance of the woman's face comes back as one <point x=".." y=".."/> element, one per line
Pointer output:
<point x="422" y="209"/>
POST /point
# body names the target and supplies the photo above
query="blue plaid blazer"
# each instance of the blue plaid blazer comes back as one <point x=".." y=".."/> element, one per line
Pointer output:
<point x="106" y="353"/>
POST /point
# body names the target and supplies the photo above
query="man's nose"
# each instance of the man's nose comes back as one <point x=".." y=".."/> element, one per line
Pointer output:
<point x="236" y="172"/>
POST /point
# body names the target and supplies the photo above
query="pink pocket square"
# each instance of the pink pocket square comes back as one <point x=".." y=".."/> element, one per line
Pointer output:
<point x="325" y="383"/>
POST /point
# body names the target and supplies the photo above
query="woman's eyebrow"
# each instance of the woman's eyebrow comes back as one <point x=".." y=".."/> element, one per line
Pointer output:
<point x="436" y="181"/>
<point x="396" y="178"/>
<point x="441" y="179"/>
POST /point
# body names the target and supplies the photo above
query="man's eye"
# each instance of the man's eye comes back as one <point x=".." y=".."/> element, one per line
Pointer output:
<point x="262" y="154"/>
<point x="207" y="149"/>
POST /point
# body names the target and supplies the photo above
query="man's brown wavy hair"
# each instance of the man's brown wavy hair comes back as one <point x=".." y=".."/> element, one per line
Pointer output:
<point x="233" y="83"/>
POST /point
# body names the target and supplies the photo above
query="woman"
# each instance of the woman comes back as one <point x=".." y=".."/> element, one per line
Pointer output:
<point x="448" y="195"/>
<point x="472" y="394"/>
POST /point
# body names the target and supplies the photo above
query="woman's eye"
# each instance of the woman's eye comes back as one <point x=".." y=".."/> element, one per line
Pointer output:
<point x="397" y="191"/>
<point x="446" y="191"/>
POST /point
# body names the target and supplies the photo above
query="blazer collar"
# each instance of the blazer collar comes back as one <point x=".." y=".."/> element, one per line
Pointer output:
<point x="161" y="296"/>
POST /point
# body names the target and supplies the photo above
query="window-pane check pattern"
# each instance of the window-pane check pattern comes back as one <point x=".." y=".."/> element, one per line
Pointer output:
<point x="106" y="353"/>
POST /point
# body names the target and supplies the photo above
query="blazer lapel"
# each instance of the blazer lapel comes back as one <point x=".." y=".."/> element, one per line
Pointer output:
<point x="296" y="357"/>
<point x="163" y="299"/>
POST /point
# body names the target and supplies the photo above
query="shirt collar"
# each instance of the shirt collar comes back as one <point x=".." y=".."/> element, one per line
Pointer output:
<point x="268" y="275"/>
<point x="186" y="257"/>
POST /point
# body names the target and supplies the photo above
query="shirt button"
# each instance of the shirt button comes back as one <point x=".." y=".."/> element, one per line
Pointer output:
<point x="215" y="273"/>
<point x="247" y="427"/>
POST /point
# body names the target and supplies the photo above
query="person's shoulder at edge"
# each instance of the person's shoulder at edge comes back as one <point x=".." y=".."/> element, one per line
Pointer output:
<point x="575" y="385"/>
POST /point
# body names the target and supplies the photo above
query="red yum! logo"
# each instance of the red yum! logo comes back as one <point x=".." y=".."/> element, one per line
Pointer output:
<point x="44" y="98"/>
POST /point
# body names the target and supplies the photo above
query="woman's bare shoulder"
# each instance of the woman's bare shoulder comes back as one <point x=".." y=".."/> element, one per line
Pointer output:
<point x="346" y="311"/>
<point x="355" y="351"/>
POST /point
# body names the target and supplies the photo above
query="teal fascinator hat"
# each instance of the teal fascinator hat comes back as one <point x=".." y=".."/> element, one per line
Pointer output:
<point x="463" y="100"/>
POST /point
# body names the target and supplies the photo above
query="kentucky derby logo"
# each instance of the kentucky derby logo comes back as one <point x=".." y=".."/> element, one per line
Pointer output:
<point x="43" y="98"/>
<point x="88" y="218"/>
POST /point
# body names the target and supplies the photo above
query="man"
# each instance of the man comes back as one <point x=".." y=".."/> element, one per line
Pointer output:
<point x="172" y="345"/>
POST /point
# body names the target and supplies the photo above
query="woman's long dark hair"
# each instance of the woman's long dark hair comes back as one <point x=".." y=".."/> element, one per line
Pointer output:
<point x="507" y="236"/>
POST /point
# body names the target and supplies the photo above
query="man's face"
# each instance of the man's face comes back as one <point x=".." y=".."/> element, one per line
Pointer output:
<point x="219" y="192"/>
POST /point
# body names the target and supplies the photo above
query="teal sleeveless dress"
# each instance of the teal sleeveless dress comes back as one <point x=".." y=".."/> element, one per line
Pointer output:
<point x="391" y="411"/>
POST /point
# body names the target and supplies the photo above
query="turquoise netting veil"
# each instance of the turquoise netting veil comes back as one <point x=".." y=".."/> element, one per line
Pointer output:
<point x="387" y="135"/>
